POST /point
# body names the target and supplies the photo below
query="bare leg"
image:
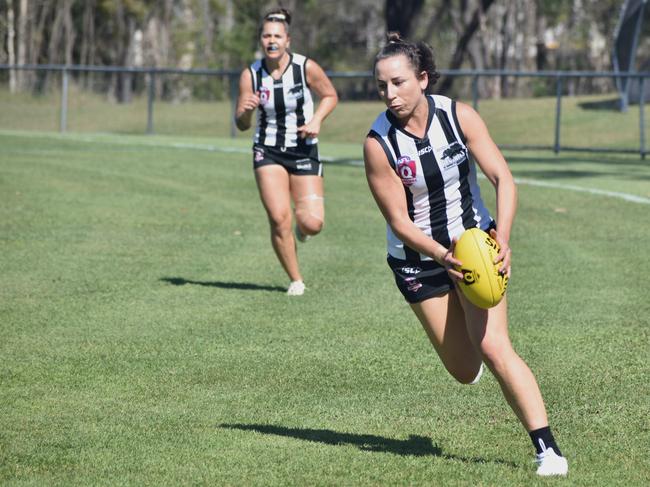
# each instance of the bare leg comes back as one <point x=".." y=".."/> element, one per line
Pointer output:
<point x="307" y="194"/>
<point x="488" y="330"/>
<point x="273" y="185"/>
<point x="444" y="322"/>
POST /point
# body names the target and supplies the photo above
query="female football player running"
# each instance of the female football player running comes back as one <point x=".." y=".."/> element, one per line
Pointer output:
<point x="285" y="150"/>
<point x="419" y="160"/>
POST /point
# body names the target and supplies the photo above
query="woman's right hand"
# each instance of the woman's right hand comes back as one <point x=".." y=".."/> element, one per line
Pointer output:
<point x="249" y="102"/>
<point x="446" y="259"/>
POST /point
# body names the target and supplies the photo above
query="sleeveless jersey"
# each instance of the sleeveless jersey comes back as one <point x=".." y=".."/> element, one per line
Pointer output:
<point x="285" y="104"/>
<point x="438" y="174"/>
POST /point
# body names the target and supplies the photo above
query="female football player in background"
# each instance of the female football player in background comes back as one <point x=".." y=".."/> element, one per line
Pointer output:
<point x="421" y="174"/>
<point x="285" y="151"/>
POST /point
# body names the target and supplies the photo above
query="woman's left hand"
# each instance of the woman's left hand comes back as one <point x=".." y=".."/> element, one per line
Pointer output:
<point x="504" y="255"/>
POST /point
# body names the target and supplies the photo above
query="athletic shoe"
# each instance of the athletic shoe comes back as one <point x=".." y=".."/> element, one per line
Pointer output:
<point x="478" y="376"/>
<point x="301" y="237"/>
<point x="296" y="288"/>
<point x="550" y="463"/>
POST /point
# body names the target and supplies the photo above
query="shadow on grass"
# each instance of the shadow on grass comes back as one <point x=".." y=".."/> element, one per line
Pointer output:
<point x="612" y="104"/>
<point x="246" y="286"/>
<point x="416" y="445"/>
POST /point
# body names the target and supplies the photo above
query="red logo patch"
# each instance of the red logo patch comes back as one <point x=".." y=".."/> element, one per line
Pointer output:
<point x="264" y="93"/>
<point x="406" y="169"/>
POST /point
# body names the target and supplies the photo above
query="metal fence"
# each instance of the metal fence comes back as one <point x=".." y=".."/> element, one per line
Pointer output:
<point x="558" y="78"/>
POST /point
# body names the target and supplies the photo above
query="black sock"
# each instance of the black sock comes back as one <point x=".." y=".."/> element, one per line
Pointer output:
<point x="543" y="440"/>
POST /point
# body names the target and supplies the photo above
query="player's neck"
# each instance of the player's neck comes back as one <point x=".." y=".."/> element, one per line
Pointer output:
<point x="277" y="66"/>
<point x="416" y="123"/>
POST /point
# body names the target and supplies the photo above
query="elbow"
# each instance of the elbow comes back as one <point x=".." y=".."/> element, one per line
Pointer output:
<point x="241" y="126"/>
<point x="399" y="228"/>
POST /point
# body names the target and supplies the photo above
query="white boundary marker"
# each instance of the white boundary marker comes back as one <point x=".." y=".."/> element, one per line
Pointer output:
<point x="111" y="139"/>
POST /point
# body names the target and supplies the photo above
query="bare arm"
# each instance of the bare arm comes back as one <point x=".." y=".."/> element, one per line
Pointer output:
<point x="494" y="166"/>
<point x="247" y="101"/>
<point x="321" y="85"/>
<point x="388" y="191"/>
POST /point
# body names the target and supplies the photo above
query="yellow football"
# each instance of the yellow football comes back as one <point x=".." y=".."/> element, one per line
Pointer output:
<point x="482" y="282"/>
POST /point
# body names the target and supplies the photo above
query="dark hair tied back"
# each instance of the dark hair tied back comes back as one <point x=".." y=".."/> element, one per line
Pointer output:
<point x="278" y="14"/>
<point x="419" y="55"/>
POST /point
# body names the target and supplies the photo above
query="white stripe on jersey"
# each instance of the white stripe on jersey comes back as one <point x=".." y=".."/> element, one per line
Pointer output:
<point x="285" y="104"/>
<point x="439" y="177"/>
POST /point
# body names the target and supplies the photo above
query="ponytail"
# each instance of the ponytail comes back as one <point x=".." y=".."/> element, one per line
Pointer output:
<point x="419" y="55"/>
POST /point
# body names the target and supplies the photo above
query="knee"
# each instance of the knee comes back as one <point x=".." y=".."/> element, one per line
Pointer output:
<point x="310" y="213"/>
<point x="280" y="222"/>
<point x="496" y="353"/>
<point x="311" y="226"/>
<point x="468" y="376"/>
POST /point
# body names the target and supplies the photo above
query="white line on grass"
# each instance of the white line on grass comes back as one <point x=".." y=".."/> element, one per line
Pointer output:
<point x="241" y="150"/>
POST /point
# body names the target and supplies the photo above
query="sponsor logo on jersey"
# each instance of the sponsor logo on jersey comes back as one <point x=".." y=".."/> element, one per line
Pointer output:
<point x="296" y="91"/>
<point x="425" y="150"/>
<point x="452" y="155"/>
<point x="265" y="94"/>
<point x="406" y="170"/>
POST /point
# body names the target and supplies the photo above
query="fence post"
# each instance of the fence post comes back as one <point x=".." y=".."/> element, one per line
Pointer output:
<point x="150" y="97"/>
<point x="558" y="112"/>
<point x="475" y="92"/>
<point x="642" y="117"/>
<point x="234" y="91"/>
<point x="63" y="121"/>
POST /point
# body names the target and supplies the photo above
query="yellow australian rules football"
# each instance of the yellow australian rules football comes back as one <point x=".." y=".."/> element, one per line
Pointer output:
<point x="482" y="282"/>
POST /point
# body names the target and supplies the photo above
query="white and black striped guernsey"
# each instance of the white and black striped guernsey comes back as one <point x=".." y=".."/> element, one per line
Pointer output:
<point x="285" y="104"/>
<point x="438" y="174"/>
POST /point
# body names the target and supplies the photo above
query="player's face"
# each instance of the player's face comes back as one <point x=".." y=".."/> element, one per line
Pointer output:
<point x="274" y="40"/>
<point x="398" y="85"/>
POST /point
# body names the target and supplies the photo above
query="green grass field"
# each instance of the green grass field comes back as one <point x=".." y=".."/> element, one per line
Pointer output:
<point x="147" y="339"/>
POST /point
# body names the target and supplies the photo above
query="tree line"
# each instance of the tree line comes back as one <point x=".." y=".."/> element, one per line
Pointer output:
<point x="342" y="35"/>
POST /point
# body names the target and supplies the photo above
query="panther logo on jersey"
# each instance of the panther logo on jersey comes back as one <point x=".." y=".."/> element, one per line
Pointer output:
<point x="452" y="155"/>
<point x="406" y="170"/>
<point x="296" y="91"/>
<point x="264" y="93"/>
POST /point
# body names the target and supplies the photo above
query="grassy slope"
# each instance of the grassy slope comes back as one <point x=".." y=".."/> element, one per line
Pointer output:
<point x="587" y="121"/>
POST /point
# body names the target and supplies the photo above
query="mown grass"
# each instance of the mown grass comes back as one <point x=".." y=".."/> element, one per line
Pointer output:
<point x="146" y="338"/>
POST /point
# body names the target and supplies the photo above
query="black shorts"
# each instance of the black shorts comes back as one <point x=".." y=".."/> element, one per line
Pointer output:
<point x="301" y="160"/>
<point x="418" y="281"/>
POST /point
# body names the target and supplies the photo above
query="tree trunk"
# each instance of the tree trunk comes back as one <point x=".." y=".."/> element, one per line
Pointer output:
<point x="11" y="54"/>
<point x="69" y="31"/>
<point x="400" y="15"/>
<point x="22" y="44"/>
<point x="463" y="43"/>
<point x="87" y="50"/>
<point x="208" y="33"/>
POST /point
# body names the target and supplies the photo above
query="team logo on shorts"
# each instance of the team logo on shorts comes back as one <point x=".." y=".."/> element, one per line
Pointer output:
<point x="406" y="170"/>
<point x="258" y="154"/>
<point x="412" y="284"/>
<point x="264" y="93"/>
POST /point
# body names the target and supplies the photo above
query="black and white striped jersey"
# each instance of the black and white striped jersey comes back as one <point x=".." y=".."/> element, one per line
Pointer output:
<point x="438" y="174"/>
<point x="285" y="104"/>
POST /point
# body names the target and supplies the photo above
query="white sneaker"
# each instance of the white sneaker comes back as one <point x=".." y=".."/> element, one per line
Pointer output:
<point x="296" y="288"/>
<point x="550" y="463"/>
<point x="301" y="237"/>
